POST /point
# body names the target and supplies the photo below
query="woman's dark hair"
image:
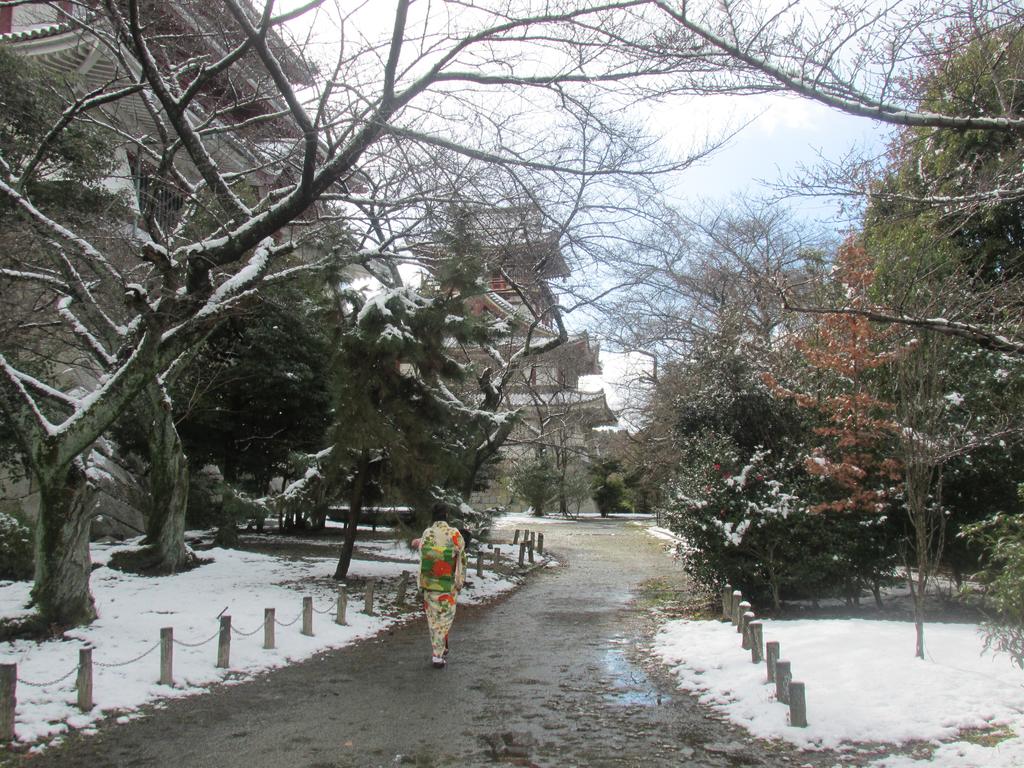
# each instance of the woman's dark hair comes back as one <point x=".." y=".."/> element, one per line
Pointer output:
<point x="438" y="513"/>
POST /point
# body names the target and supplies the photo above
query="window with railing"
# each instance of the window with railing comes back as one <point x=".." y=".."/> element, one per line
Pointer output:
<point x="160" y="202"/>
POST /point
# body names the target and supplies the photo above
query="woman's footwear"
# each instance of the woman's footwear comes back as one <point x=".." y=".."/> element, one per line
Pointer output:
<point x="438" y="662"/>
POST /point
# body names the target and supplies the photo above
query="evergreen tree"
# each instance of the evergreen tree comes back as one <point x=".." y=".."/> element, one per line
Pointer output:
<point x="258" y="390"/>
<point x="536" y="481"/>
<point x="400" y="425"/>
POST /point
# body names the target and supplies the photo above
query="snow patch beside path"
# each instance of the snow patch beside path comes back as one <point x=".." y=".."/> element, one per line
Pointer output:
<point x="863" y="685"/>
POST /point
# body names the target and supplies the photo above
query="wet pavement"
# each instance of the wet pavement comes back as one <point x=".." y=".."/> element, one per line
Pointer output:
<point x="552" y="676"/>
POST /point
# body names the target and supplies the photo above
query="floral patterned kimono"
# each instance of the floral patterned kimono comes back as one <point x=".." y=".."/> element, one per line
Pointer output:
<point x="442" y="574"/>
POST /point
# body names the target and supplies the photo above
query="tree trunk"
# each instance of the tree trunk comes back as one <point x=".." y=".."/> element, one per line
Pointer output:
<point x="355" y="509"/>
<point x="168" y="485"/>
<point x="776" y="595"/>
<point x="917" y="589"/>
<point x="61" y="591"/>
<point x="876" y="590"/>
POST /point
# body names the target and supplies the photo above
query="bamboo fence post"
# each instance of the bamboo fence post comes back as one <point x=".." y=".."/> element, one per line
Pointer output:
<point x="783" y="676"/>
<point x="8" y="700"/>
<point x="771" y="656"/>
<point x="727" y="602"/>
<point x="734" y="606"/>
<point x="756" y="630"/>
<point x="741" y="609"/>
<point x="515" y="538"/>
<point x="368" y="597"/>
<point x="167" y="656"/>
<point x="797" y="705"/>
<point x="479" y="564"/>
<point x="540" y="543"/>
<point x="224" y="643"/>
<point x="84" y="682"/>
<point x="339" y="616"/>
<point x="497" y="557"/>
<point x="269" y="627"/>
<point x="307" y="616"/>
<point x="529" y="549"/>
<point x="522" y="554"/>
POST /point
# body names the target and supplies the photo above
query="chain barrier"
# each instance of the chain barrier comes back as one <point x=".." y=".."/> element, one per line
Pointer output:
<point x="196" y="645"/>
<point x="111" y="665"/>
<point x="48" y="683"/>
<point x="240" y="633"/>
<point x="130" y="661"/>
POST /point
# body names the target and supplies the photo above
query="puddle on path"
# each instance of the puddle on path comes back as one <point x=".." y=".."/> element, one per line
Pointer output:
<point x="629" y="685"/>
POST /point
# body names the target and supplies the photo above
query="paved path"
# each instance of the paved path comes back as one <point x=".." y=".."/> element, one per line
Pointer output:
<point x="547" y="677"/>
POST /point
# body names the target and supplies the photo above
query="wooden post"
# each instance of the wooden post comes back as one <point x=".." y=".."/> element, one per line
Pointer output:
<point x="479" y="564"/>
<point x="84" y="683"/>
<point x="783" y="676"/>
<point x="797" y="705"/>
<point x="167" y="656"/>
<point x="224" y="643"/>
<point x="269" y="622"/>
<point x="522" y="554"/>
<point x="727" y="601"/>
<point x="307" y="616"/>
<point x="497" y="556"/>
<point x="368" y="598"/>
<point x="771" y="656"/>
<point x="515" y="539"/>
<point x="533" y="538"/>
<point x="540" y="543"/>
<point x="748" y="616"/>
<point x="403" y="586"/>
<point x="339" y="616"/>
<point x="756" y="630"/>
<point x="8" y="700"/>
<point x="734" y="606"/>
<point x="529" y="548"/>
<point x="741" y="608"/>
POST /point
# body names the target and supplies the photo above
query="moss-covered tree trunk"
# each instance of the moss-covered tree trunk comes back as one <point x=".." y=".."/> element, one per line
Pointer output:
<point x="168" y="484"/>
<point x="61" y="592"/>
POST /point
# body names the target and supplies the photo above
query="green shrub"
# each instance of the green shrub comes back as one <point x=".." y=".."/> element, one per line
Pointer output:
<point x="16" y="554"/>
<point x="748" y="523"/>
<point x="1002" y="537"/>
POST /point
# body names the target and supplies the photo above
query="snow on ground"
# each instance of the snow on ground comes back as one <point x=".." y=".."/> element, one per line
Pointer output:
<point x="664" y="534"/>
<point x="132" y="609"/>
<point x="863" y="685"/>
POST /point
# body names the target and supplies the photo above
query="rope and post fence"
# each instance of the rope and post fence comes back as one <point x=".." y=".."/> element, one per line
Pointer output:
<point x="788" y="691"/>
<point x="84" y="671"/>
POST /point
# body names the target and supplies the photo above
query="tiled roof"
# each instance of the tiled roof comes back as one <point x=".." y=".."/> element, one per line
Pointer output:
<point x="34" y="33"/>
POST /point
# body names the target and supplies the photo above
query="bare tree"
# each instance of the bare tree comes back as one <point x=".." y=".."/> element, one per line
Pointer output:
<point x="924" y="447"/>
<point x="710" y="274"/>
<point x="231" y="160"/>
<point x="946" y="75"/>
